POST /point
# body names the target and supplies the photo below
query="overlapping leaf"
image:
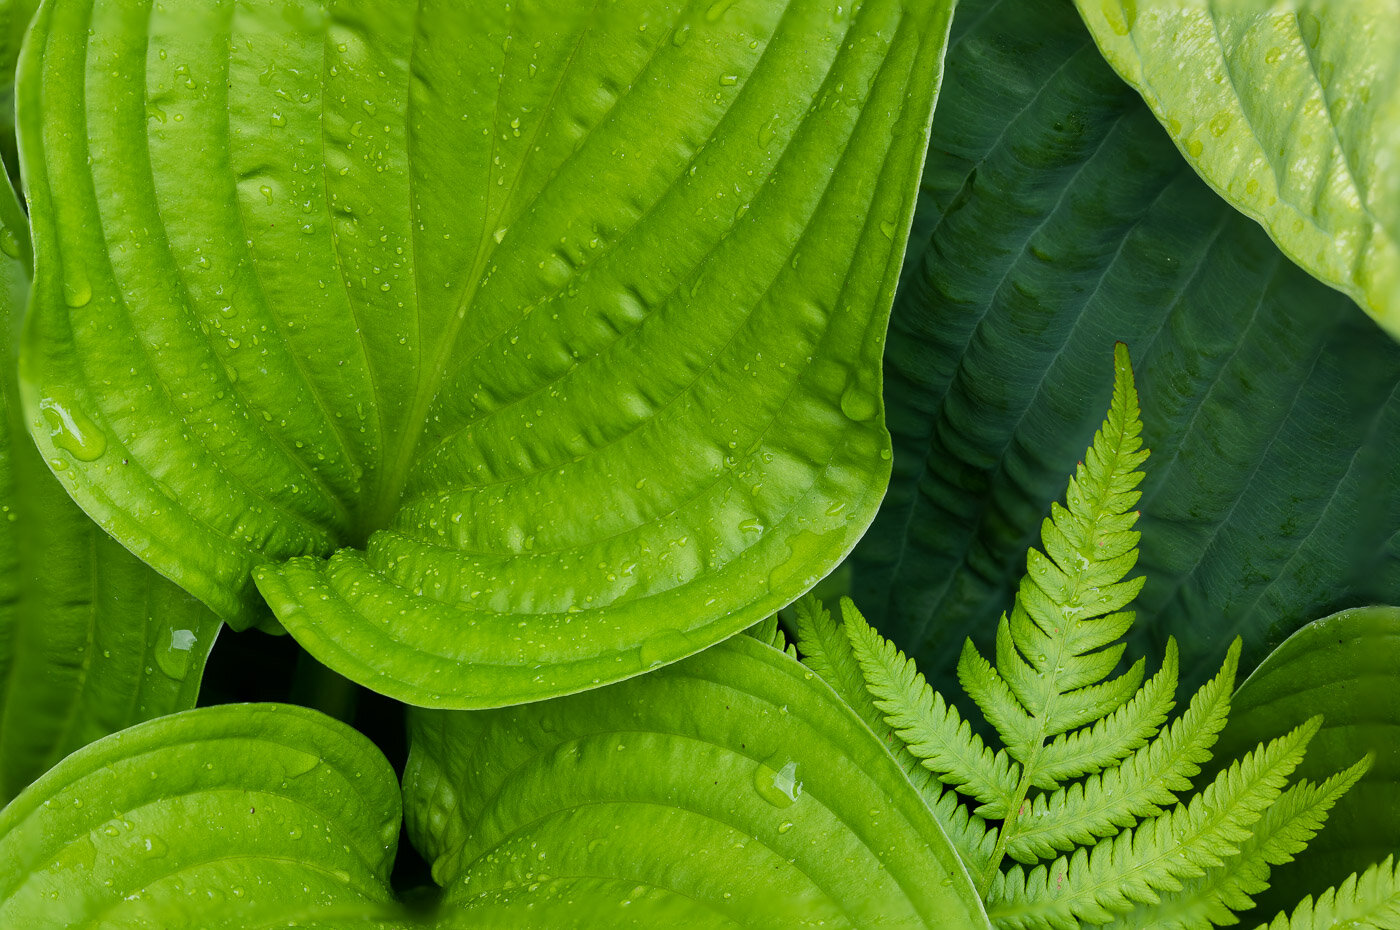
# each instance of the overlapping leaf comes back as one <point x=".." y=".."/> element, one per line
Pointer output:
<point x="734" y="787"/>
<point x="91" y="640"/>
<point x="1290" y="110"/>
<point x="1057" y="217"/>
<point x="233" y="816"/>
<point x="1347" y="668"/>
<point x="731" y="790"/>
<point x="513" y="350"/>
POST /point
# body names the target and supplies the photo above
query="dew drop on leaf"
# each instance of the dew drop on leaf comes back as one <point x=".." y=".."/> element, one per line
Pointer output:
<point x="776" y="781"/>
<point x="71" y="431"/>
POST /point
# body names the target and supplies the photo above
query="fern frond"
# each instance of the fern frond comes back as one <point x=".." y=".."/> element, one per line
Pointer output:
<point x="770" y="634"/>
<point x="1146" y="782"/>
<point x="1370" y="901"/>
<point x="929" y="726"/>
<point x="826" y="650"/>
<point x="1128" y="728"/>
<point x="1157" y="856"/>
<point x="1283" y="832"/>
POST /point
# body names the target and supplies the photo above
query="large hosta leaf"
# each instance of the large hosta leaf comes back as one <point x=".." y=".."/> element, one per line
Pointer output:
<point x="91" y="640"/>
<point x="1291" y="110"/>
<point x="517" y="348"/>
<point x="733" y="790"/>
<point x="1347" y="668"/>
<point x="734" y="787"/>
<point x="1056" y="217"/>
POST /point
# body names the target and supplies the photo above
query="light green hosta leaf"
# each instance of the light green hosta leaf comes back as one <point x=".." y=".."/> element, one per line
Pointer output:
<point x="1347" y="668"/>
<point x="1290" y="110"/>
<point x="91" y="640"/>
<point x="512" y="350"/>
<point x="236" y="816"/>
<point x="1057" y="217"/>
<point x="732" y="790"/>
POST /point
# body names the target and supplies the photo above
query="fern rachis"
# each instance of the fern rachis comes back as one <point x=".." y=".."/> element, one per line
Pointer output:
<point x="1089" y="792"/>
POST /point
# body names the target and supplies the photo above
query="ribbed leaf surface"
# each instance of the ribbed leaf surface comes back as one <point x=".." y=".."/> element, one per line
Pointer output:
<point x="238" y="816"/>
<point x="1289" y="109"/>
<point x="91" y="640"/>
<point x="513" y="349"/>
<point x="733" y="789"/>
<point x="1055" y="218"/>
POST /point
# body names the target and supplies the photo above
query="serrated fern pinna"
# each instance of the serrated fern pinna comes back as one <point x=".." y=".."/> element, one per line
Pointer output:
<point x="1090" y="795"/>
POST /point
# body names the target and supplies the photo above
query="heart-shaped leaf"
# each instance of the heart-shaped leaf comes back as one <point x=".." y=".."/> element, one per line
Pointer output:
<point x="91" y="640"/>
<point x="735" y="781"/>
<point x="731" y="790"/>
<point x="1290" y="110"/>
<point x="518" y="348"/>
<point x="1347" y="668"/>
<point x="1056" y="218"/>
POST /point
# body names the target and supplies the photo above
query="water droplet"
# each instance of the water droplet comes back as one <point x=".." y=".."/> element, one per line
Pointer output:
<point x="858" y="403"/>
<point x="500" y="234"/>
<point x="277" y="119"/>
<point x="1194" y="148"/>
<point x="77" y="290"/>
<point x="8" y="243"/>
<point x="728" y="80"/>
<point x="681" y="35"/>
<point x="776" y="781"/>
<point x="1220" y="123"/>
<point x="785" y="826"/>
<point x="889" y="228"/>
<point x="1273" y="55"/>
<point x="663" y="647"/>
<point x="154" y="847"/>
<point x="768" y="130"/>
<point x="718" y="9"/>
<point x="174" y="656"/>
<point x="297" y="764"/>
<point x="73" y="432"/>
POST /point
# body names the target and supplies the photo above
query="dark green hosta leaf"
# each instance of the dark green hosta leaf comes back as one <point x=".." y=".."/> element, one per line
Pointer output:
<point x="732" y="790"/>
<point x="91" y="640"/>
<point x="512" y="349"/>
<point x="1347" y="668"/>
<point x="1290" y="109"/>
<point x="1057" y="217"/>
<point x="735" y="785"/>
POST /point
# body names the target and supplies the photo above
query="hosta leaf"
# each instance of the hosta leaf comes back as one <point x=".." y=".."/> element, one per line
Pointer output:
<point x="734" y="787"/>
<point x="1056" y="217"/>
<point x="1289" y="109"/>
<point x="1347" y="668"/>
<point x="91" y="640"/>
<point x="235" y="816"/>
<point x="514" y="350"/>
<point x="732" y="790"/>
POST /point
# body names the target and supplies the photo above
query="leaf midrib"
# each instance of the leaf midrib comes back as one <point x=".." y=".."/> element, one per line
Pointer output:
<point x="429" y="380"/>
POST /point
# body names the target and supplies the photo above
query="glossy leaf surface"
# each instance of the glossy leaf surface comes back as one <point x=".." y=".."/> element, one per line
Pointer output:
<point x="1347" y="668"/>
<point x="733" y="789"/>
<point x="512" y="351"/>
<point x="1291" y="110"/>
<point x="91" y="640"/>
<point x="1056" y="217"/>
<point x="235" y="816"/>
